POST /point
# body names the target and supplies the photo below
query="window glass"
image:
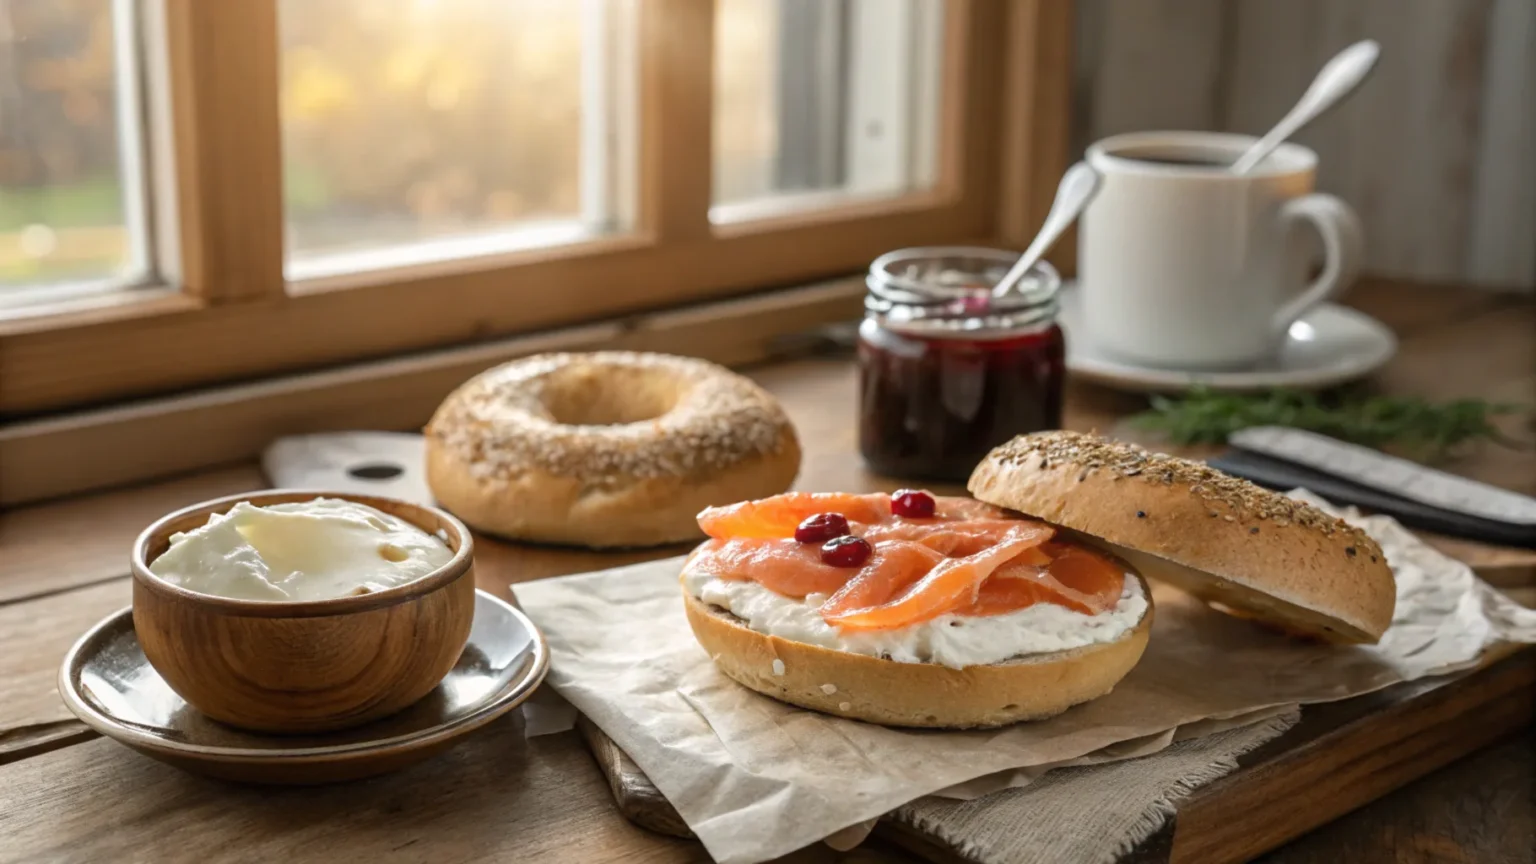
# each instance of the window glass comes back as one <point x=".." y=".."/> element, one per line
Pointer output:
<point x="430" y="129"/>
<point x="70" y="167"/>
<point x="822" y="100"/>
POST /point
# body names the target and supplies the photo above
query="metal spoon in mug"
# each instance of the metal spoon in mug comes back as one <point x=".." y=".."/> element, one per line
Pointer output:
<point x="1337" y="79"/>
<point x="1077" y="188"/>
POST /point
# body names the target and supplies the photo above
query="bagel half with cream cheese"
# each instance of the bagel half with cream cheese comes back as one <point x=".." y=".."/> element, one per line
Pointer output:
<point x="956" y="615"/>
<point x="605" y="450"/>
<point x="1244" y="549"/>
<point x="873" y="688"/>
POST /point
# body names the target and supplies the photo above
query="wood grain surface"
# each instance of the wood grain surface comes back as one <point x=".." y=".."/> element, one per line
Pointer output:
<point x="1346" y="754"/>
<point x="633" y="792"/>
<point x="496" y="798"/>
<point x="222" y="62"/>
<point x="32" y="717"/>
<point x="65" y="796"/>
<point x="1490" y="819"/>
<point x="67" y="544"/>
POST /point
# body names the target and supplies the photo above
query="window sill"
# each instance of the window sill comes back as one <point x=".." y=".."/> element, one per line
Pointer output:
<point x="95" y="308"/>
<point x="164" y="346"/>
<point x="53" y="456"/>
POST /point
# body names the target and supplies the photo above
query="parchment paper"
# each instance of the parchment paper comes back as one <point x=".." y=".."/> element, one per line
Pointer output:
<point x="755" y="778"/>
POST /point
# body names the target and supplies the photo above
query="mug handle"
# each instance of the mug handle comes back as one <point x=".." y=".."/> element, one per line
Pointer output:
<point x="1339" y="227"/>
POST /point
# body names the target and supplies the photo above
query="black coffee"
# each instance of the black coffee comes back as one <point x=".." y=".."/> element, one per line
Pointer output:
<point x="1194" y="161"/>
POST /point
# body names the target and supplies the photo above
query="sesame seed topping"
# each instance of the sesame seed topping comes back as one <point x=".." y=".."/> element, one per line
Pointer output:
<point x="708" y="418"/>
<point x="1240" y="498"/>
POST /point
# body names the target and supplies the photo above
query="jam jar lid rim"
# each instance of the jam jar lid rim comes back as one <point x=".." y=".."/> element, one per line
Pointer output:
<point x="986" y="327"/>
<point x="881" y="281"/>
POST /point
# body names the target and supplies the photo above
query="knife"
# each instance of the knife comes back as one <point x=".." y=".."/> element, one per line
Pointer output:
<point x="1417" y="496"/>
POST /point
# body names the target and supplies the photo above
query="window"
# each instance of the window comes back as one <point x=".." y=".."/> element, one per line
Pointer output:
<point x="71" y="169"/>
<point x="341" y="181"/>
<point x="823" y="100"/>
<point x="436" y="129"/>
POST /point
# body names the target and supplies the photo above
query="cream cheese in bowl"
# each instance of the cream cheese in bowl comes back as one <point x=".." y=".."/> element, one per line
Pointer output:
<point x="307" y="550"/>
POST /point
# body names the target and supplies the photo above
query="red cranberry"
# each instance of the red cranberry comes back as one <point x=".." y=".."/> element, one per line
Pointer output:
<point x="821" y="528"/>
<point x="846" y="551"/>
<point x="913" y="504"/>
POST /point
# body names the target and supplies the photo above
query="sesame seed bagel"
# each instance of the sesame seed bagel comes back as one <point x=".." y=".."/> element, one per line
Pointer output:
<point x="876" y="690"/>
<point x="1248" y="550"/>
<point x="604" y="450"/>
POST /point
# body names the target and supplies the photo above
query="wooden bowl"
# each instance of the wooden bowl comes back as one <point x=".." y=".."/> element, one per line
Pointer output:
<point x="307" y="666"/>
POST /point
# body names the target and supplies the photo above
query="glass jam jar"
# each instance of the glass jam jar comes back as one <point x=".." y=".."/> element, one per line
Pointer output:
<point x="947" y="371"/>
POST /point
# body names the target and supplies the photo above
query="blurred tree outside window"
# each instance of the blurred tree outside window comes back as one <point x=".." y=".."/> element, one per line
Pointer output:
<point x="408" y="123"/>
<point x="62" y="177"/>
<point x="412" y="120"/>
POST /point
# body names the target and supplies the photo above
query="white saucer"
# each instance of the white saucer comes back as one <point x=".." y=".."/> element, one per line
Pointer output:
<point x="1328" y="346"/>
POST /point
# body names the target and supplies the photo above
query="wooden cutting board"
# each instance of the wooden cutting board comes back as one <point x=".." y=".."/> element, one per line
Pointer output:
<point x="1340" y="756"/>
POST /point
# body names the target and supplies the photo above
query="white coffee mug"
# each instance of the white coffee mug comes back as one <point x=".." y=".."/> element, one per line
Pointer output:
<point x="1186" y="265"/>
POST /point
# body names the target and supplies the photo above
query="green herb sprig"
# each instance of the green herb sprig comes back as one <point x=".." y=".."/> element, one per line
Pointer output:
<point x="1417" y="428"/>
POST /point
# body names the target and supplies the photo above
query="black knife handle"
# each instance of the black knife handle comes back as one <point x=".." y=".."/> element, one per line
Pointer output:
<point x="1282" y="475"/>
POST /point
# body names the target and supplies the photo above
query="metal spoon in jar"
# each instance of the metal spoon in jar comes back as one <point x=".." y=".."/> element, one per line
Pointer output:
<point x="1337" y="79"/>
<point x="1077" y="188"/>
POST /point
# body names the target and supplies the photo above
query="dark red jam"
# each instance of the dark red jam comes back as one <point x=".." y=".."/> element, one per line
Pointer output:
<point x="930" y="407"/>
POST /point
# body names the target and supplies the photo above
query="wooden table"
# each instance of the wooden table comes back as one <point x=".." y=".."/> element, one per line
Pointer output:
<point x="67" y="795"/>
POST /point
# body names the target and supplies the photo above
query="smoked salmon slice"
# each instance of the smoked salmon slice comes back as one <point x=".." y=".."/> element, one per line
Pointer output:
<point x="1076" y="578"/>
<point x="1090" y="575"/>
<point x="969" y="558"/>
<point x="782" y="566"/>
<point x="776" y="517"/>
<point x="956" y="538"/>
<point x="1002" y="594"/>
<point x="952" y="584"/>
<point x="892" y="568"/>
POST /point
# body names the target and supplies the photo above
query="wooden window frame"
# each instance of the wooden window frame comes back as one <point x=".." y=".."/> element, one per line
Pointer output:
<point x="1004" y="90"/>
